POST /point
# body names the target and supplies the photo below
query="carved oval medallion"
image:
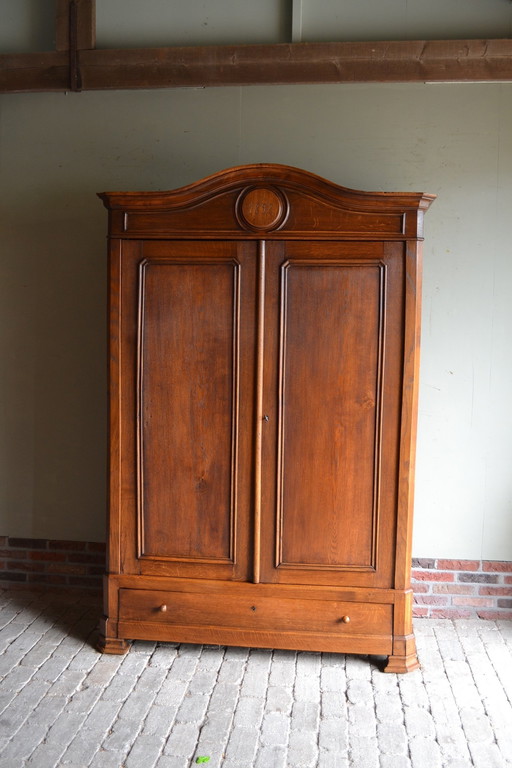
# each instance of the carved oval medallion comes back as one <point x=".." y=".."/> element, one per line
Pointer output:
<point x="262" y="208"/>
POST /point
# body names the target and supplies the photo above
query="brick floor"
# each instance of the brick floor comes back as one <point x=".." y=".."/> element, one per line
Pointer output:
<point x="166" y="705"/>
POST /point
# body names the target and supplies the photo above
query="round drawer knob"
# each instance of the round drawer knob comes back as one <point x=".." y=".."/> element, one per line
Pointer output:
<point x="345" y="619"/>
<point x="163" y="608"/>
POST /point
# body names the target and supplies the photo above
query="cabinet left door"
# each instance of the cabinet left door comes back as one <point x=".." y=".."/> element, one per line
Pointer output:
<point x="182" y="317"/>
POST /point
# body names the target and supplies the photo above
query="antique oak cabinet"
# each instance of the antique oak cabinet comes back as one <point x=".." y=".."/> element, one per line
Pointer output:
<point x="264" y="328"/>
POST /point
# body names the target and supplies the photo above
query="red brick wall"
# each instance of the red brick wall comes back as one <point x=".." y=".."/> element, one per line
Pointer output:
<point x="462" y="589"/>
<point x="33" y="562"/>
<point x="442" y="588"/>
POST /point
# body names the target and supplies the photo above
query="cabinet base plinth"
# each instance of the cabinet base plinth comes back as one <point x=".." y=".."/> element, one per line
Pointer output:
<point x="112" y="645"/>
<point x="401" y="664"/>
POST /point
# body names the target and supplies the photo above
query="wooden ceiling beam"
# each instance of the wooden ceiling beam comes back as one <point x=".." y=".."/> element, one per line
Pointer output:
<point x="34" y="72"/>
<point x="77" y="14"/>
<point x="380" y="62"/>
<point x="409" y="61"/>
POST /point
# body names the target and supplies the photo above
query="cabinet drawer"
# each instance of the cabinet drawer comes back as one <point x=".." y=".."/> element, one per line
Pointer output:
<point x="268" y="614"/>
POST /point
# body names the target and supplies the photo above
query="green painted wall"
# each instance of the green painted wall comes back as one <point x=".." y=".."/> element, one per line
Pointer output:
<point x="57" y="151"/>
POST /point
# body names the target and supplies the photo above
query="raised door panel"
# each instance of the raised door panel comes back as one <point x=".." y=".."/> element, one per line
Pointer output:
<point x="188" y="408"/>
<point x="334" y="326"/>
<point x="329" y="424"/>
<point x="192" y="358"/>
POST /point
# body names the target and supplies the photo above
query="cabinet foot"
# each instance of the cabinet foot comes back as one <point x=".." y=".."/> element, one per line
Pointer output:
<point x="112" y="645"/>
<point x="401" y="664"/>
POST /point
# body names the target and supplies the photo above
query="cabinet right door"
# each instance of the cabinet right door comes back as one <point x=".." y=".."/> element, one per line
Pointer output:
<point x="332" y="392"/>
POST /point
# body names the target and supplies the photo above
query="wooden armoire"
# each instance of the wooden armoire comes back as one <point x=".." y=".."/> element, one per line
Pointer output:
<point x="264" y="328"/>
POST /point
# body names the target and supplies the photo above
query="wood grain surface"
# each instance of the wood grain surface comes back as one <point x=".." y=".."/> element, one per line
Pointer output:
<point x="264" y="339"/>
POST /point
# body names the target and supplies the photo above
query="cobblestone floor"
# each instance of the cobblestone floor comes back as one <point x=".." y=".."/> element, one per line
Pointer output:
<point x="63" y="704"/>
